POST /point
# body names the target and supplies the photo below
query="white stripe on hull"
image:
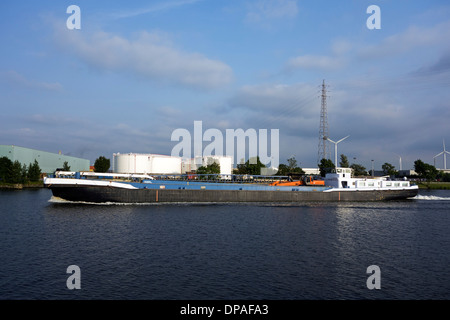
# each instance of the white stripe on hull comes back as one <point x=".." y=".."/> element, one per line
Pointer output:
<point x="87" y="182"/>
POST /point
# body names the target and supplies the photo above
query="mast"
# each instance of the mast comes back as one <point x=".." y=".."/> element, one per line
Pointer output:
<point x="323" y="150"/>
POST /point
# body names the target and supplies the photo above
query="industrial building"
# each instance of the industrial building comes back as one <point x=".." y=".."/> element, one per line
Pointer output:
<point x="48" y="162"/>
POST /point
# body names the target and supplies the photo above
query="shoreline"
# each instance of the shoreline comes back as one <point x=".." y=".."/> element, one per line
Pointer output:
<point x="21" y="186"/>
<point x="434" y="186"/>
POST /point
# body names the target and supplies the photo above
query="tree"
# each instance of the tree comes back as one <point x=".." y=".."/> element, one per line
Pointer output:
<point x="16" y="172"/>
<point x="283" y="170"/>
<point x="24" y="176"/>
<point x="325" y="166"/>
<point x="5" y="169"/>
<point x="292" y="163"/>
<point x="425" y="171"/>
<point x="212" y="168"/>
<point x="251" y="168"/>
<point x="34" y="171"/>
<point x="66" y="166"/>
<point x="293" y="167"/>
<point x="102" y="164"/>
<point x="389" y="169"/>
<point x="344" y="161"/>
<point x="358" y="170"/>
<point x="445" y="177"/>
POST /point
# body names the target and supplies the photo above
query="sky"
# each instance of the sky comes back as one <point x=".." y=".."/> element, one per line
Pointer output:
<point x="138" y="70"/>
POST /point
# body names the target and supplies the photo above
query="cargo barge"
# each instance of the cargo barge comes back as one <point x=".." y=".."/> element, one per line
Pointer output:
<point x="338" y="185"/>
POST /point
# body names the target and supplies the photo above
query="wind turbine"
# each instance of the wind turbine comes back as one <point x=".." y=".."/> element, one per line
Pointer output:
<point x="335" y="148"/>
<point x="400" y="161"/>
<point x="444" y="152"/>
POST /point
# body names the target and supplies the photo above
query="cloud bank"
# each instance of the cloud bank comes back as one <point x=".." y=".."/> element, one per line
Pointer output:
<point x="148" y="55"/>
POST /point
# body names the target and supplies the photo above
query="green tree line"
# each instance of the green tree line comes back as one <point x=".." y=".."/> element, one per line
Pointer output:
<point x="250" y="167"/>
<point x="429" y="172"/>
<point x="424" y="171"/>
<point x="289" y="168"/>
<point x="15" y="172"/>
<point x="210" y="168"/>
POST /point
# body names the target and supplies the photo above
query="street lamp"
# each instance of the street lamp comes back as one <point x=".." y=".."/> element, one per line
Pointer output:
<point x="335" y="148"/>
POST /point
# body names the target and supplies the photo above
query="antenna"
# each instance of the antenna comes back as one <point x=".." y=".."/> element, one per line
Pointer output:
<point x="444" y="152"/>
<point x="335" y="149"/>
<point x="323" y="152"/>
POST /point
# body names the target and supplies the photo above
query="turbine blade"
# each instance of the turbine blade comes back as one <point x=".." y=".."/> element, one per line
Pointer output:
<point x="343" y="139"/>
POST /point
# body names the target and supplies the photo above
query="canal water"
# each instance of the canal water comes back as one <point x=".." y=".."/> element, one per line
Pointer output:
<point x="309" y="251"/>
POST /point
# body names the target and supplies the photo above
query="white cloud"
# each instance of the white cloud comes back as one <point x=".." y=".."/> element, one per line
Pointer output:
<point x="54" y="120"/>
<point x="293" y="108"/>
<point x="15" y="78"/>
<point x="149" y="55"/>
<point x="162" y="6"/>
<point x="316" y="62"/>
<point x="413" y="42"/>
<point x="262" y="11"/>
<point x="412" y="38"/>
<point x="341" y="46"/>
<point x="271" y="97"/>
<point x="341" y="50"/>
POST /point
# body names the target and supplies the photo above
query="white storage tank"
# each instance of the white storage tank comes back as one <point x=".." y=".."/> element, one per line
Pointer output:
<point x="226" y="165"/>
<point x="165" y="164"/>
<point x="225" y="162"/>
<point x="146" y="163"/>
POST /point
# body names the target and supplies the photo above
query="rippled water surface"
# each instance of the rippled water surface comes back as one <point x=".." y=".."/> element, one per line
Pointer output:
<point x="229" y="251"/>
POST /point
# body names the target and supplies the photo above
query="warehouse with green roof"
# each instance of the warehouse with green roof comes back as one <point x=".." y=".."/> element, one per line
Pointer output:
<point x="48" y="162"/>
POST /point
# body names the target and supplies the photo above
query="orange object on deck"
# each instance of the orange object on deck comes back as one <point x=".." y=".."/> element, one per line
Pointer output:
<point x="287" y="183"/>
<point x="307" y="180"/>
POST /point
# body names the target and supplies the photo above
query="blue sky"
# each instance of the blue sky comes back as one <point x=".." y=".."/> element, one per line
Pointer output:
<point x="138" y="70"/>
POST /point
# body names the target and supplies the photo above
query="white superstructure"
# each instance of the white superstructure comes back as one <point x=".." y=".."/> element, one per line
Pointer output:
<point x="342" y="178"/>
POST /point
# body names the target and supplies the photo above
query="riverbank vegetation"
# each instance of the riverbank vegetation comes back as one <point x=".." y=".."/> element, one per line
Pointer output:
<point x="15" y="175"/>
<point x="427" y="176"/>
<point x="434" y="185"/>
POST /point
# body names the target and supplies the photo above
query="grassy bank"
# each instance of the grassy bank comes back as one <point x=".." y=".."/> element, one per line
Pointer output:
<point x="434" y="185"/>
<point x="17" y="186"/>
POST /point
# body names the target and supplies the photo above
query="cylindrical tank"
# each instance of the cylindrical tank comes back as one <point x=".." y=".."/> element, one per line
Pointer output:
<point x="146" y="163"/>
<point x="166" y="164"/>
